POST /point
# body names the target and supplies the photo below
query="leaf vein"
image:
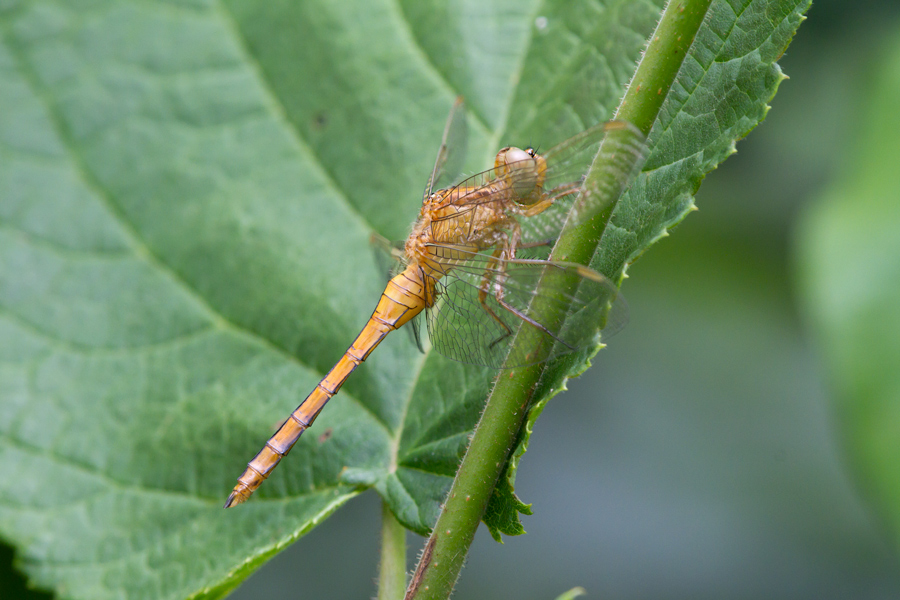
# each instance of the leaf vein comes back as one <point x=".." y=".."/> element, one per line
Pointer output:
<point x="280" y="110"/>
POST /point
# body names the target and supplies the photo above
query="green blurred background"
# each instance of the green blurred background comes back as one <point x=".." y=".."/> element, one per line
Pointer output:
<point x="708" y="454"/>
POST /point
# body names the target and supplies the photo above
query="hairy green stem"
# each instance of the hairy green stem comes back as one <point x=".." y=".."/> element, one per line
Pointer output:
<point x="392" y="566"/>
<point x="506" y="409"/>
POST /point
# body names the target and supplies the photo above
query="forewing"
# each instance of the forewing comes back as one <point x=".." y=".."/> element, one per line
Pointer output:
<point x="569" y="160"/>
<point x="452" y="153"/>
<point x="620" y="159"/>
<point x="482" y="303"/>
<point x="567" y="164"/>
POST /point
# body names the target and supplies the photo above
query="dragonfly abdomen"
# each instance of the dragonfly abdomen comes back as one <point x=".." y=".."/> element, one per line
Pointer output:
<point x="402" y="299"/>
<point x="301" y="419"/>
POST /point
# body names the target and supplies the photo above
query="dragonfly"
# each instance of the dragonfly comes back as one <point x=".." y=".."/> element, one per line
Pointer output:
<point x="477" y="261"/>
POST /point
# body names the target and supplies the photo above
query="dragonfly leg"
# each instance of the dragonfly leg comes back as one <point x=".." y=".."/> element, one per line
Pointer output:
<point x="531" y="322"/>
<point x="495" y="266"/>
<point x="560" y="192"/>
<point x="536" y="244"/>
<point x="495" y="272"/>
<point x="499" y="297"/>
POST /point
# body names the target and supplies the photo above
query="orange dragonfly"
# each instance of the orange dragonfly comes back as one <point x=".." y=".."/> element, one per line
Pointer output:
<point x="474" y="264"/>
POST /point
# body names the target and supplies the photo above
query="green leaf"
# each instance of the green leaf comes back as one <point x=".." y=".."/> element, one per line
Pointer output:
<point x="187" y="192"/>
<point x="849" y="262"/>
<point x="720" y="94"/>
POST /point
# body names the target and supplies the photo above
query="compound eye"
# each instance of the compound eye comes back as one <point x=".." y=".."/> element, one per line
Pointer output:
<point x="521" y="171"/>
<point x="514" y="155"/>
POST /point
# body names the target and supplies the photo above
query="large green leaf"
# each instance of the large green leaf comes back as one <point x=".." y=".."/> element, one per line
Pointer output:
<point x="187" y="191"/>
<point x="849" y="262"/>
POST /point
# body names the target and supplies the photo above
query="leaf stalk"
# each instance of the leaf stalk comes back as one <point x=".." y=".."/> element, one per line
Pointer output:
<point x="507" y="406"/>
<point x="392" y="566"/>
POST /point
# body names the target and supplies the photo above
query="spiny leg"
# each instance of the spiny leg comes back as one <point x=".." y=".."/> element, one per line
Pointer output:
<point x="495" y="266"/>
<point x="548" y="200"/>
<point x="531" y="322"/>
<point x="536" y="244"/>
<point x="508" y="251"/>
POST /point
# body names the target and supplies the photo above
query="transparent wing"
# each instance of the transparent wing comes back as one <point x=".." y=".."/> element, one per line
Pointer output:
<point x="567" y="164"/>
<point x="569" y="160"/>
<point x="452" y="153"/>
<point x="414" y="327"/>
<point x="388" y="255"/>
<point x="482" y="304"/>
<point x="623" y="155"/>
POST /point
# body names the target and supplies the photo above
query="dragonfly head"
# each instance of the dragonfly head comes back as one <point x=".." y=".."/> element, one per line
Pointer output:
<point x="524" y="170"/>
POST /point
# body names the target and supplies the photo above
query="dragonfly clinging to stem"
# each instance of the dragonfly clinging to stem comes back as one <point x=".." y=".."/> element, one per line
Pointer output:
<point x="476" y="262"/>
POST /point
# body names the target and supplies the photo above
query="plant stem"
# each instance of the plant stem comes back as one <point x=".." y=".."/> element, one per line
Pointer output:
<point x="392" y="567"/>
<point x="507" y="406"/>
